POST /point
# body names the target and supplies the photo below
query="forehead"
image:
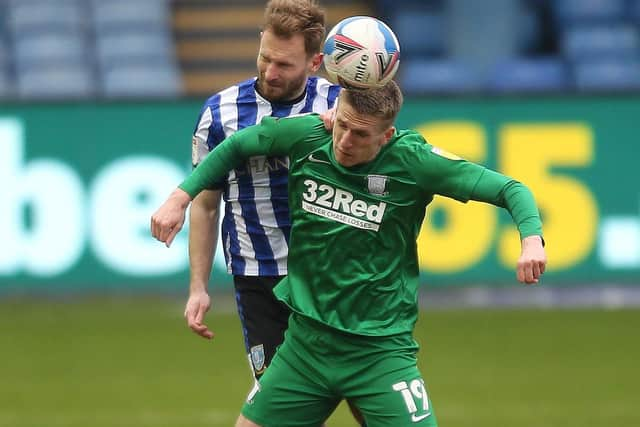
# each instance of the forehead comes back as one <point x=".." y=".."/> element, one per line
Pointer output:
<point x="354" y="120"/>
<point x="282" y="48"/>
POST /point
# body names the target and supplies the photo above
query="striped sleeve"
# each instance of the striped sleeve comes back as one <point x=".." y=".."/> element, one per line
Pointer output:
<point x="208" y="130"/>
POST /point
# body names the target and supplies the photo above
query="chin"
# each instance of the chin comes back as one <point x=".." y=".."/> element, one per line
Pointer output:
<point x="345" y="162"/>
<point x="271" y="92"/>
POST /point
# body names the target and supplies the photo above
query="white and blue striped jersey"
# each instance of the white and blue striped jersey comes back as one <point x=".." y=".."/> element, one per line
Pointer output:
<point x="256" y="225"/>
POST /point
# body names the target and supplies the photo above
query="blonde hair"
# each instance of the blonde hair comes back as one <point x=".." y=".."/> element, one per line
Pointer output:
<point x="286" y="18"/>
<point x="383" y="103"/>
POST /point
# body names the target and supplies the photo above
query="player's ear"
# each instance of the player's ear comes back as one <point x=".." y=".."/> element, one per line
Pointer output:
<point x="260" y="37"/>
<point x="316" y="62"/>
<point x="388" y="134"/>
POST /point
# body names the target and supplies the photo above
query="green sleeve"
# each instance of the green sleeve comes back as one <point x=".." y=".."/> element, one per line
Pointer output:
<point x="500" y="190"/>
<point x="444" y="174"/>
<point x="272" y="137"/>
<point x="441" y="173"/>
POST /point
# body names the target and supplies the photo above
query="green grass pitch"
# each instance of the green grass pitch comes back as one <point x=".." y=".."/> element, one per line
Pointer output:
<point x="132" y="362"/>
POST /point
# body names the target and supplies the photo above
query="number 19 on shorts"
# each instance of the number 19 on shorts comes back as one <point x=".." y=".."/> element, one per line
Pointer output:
<point x="414" y="394"/>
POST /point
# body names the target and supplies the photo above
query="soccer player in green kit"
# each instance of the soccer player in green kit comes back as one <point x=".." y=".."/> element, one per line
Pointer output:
<point x="358" y="197"/>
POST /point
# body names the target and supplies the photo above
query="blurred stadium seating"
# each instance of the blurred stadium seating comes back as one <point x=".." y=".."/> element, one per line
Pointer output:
<point x="134" y="48"/>
<point x="79" y="49"/>
<point x="440" y="76"/>
<point x="529" y="75"/>
<point x="607" y="75"/>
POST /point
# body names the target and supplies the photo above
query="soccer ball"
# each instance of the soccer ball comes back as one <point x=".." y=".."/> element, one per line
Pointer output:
<point x="361" y="52"/>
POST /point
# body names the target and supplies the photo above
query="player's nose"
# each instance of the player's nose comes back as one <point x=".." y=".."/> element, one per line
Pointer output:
<point x="345" y="140"/>
<point x="344" y="143"/>
<point x="271" y="72"/>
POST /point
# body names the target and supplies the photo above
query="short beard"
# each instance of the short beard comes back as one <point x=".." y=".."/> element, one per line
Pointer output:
<point x="291" y="91"/>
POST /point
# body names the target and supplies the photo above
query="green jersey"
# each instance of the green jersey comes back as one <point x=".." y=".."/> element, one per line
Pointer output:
<point x="353" y="261"/>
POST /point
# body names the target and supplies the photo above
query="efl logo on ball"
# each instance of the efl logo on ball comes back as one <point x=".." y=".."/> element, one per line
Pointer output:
<point x="361" y="52"/>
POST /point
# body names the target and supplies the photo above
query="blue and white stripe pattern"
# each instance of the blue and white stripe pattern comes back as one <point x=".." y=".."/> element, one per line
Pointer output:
<point x="255" y="227"/>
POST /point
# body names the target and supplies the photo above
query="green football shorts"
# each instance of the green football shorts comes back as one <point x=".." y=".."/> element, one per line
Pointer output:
<point x="317" y="366"/>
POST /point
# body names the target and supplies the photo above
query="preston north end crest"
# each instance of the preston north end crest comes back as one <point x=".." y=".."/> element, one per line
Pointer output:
<point x="377" y="184"/>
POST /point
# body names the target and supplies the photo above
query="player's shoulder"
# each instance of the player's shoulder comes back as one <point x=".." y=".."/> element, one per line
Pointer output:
<point x="300" y="120"/>
<point x="421" y="149"/>
<point x="294" y="132"/>
<point x="296" y="127"/>
<point x="233" y="94"/>
<point x="319" y="87"/>
<point x="409" y="139"/>
<point x="320" y="82"/>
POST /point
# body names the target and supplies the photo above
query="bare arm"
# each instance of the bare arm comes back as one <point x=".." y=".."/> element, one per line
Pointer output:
<point x="203" y="236"/>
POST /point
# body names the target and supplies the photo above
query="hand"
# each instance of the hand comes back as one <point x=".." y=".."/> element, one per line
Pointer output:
<point x="532" y="261"/>
<point x="328" y="117"/>
<point x="197" y="306"/>
<point x="167" y="221"/>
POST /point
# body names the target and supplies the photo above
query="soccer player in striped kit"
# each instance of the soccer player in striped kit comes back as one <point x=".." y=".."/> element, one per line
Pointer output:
<point x="255" y="226"/>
